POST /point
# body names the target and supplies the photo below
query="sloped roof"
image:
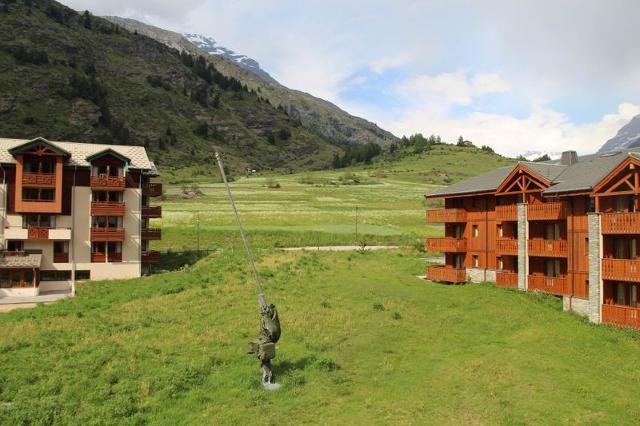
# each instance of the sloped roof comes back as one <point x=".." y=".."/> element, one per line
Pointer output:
<point x="80" y="151"/>
<point x="28" y="261"/>
<point x="581" y="176"/>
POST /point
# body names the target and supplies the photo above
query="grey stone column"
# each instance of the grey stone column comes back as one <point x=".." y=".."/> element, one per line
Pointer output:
<point x="595" y="255"/>
<point x="523" y="236"/>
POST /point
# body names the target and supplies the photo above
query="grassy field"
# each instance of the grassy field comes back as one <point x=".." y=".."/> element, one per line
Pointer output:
<point x="364" y="341"/>
<point x="318" y="208"/>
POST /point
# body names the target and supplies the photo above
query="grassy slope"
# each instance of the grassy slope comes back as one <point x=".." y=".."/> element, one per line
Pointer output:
<point x="169" y="349"/>
<point x="390" y="209"/>
<point x="123" y="61"/>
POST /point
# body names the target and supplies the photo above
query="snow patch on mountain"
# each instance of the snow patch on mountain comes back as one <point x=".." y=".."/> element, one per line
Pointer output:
<point x="209" y="45"/>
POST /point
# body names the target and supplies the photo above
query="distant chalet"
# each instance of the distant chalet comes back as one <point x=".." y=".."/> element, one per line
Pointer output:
<point x="72" y="208"/>
<point x="569" y="228"/>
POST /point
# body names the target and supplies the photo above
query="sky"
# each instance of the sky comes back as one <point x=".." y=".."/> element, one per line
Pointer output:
<point x="515" y="75"/>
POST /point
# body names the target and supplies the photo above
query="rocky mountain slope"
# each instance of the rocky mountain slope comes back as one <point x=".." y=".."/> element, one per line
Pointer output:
<point x="317" y="115"/>
<point x="627" y="137"/>
<point x="210" y="46"/>
<point x="71" y="76"/>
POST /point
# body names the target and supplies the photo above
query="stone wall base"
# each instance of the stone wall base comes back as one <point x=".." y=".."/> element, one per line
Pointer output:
<point x="579" y="306"/>
<point x="477" y="275"/>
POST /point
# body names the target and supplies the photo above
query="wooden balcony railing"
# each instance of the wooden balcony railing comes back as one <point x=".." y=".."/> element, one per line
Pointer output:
<point x="446" y="215"/>
<point x="104" y="257"/>
<point x="108" y="182"/>
<point x="42" y="180"/>
<point x="621" y="269"/>
<point x="107" y="208"/>
<point x="151" y="234"/>
<point x="546" y="211"/>
<point x="60" y="257"/>
<point x="446" y="245"/>
<point x="20" y="253"/>
<point x="447" y="275"/>
<point x="506" y="279"/>
<point x="558" y="286"/>
<point x="547" y="248"/>
<point x="152" y="212"/>
<point x="620" y="223"/>
<point x="508" y="246"/>
<point x="107" y="234"/>
<point x="622" y="316"/>
<point x="507" y="213"/>
<point x="151" y="257"/>
<point x="38" y="233"/>
<point x="152" y="189"/>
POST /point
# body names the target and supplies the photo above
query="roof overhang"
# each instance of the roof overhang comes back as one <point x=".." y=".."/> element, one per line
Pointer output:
<point x="106" y="152"/>
<point x="35" y="142"/>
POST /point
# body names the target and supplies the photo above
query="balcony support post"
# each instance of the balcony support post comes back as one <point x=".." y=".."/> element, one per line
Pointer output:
<point x="523" y="256"/>
<point x="595" y="278"/>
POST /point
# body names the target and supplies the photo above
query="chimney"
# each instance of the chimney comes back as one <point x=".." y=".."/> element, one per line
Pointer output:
<point x="569" y="158"/>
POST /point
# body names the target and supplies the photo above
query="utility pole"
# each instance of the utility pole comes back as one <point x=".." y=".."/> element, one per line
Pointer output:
<point x="356" y="224"/>
<point x="198" y="230"/>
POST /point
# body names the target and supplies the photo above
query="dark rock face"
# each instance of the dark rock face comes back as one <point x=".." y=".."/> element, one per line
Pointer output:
<point x="627" y="137"/>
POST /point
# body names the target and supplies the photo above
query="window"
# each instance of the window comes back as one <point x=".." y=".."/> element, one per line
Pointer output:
<point x="39" y="166"/>
<point x="106" y="222"/>
<point x="500" y="231"/>
<point x="104" y="196"/>
<point x="459" y="261"/>
<point x="633" y="297"/>
<point x="552" y="268"/>
<point x="83" y="275"/>
<point x="552" y="231"/>
<point x="13" y="245"/>
<point x="620" y="294"/>
<point x="476" y="231"/>
<point x="39" y="221"/>
<point x="475" y="261"/>
<point x="500" y="264"/>
<point x="55" y="275"/>
<point x="38" y="194"/>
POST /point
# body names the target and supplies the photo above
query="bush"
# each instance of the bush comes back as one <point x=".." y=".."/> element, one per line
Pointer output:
<point x="272" y="184"/>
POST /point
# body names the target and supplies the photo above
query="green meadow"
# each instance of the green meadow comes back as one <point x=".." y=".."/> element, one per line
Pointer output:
<point x="365" y="341"/>
<point x="316" y="208"/>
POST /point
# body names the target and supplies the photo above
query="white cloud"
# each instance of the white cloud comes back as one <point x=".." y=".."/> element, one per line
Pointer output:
<point x="456" y="88"/>
<point x="543" y="129"/>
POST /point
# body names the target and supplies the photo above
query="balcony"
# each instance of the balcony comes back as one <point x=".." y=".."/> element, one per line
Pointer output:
<point x="507" y="213"/>
<point x="620" y="223"/>
<point x="39" y="180"/>
<point x="107" y="234"/>
<point x="60" y="257"/>
<point x="507" y="246"/>
<point x="37" y="233"/>
<point x="106" y="257"/>
<point x="446" y="245"/>
<point x="152" y="212"/>
<point x="108" y="182"/>
<point x="151" y="257"/>
<point x="447" y="275"/>
<point x="446" y="215"/>
<point x="507" y="279"/>
<point x="621" y="270"/>
<point x="547" y="248"/>
<point x="558" y="286"/>
<point x="546" y="211"/>
<point x="151" y="234"/>
<point x="622" y="316"/>
<point x="107" y="208"/>
<point x="152" y="189"/>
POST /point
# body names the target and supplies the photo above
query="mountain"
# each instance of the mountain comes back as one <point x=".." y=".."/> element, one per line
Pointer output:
<point x="627" y="137"/>
<point x="71" y="76"/>
<point x="315" y="114"/>
<point x="209" y="45"/>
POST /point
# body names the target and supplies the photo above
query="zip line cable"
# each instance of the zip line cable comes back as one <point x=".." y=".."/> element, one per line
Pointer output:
<point x="261" y="297"/>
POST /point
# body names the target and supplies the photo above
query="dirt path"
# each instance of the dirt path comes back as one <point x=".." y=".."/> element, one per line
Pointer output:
<point x="339" y="248"/>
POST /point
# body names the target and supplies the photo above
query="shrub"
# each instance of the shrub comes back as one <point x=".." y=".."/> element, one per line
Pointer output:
<point x="272" y="184"/>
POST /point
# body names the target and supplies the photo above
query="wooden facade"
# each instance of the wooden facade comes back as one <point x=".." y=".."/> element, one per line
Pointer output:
<point x="481" y="233"/>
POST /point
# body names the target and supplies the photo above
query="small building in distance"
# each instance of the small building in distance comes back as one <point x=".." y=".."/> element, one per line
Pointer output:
<point x="73" y="211"/>
<point x="570" y="228"/>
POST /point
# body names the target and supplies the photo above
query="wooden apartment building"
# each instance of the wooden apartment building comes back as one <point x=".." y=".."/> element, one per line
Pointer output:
<point x="569" y="228"/>
<point x="73" y="211"/>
